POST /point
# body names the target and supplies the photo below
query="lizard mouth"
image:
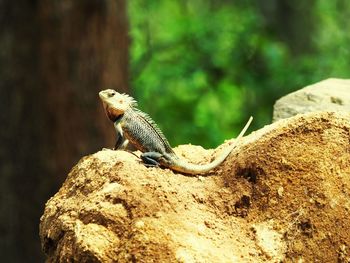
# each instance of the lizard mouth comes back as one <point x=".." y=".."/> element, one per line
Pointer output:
<point x="102" y="95"/>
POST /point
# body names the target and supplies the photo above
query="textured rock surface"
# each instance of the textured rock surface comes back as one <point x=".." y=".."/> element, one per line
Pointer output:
<point x="327" y="95"/>
<point x="283" y="194"/>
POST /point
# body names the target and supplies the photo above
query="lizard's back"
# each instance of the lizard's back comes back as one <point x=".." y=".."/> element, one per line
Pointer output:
<point x="143" y="133"/>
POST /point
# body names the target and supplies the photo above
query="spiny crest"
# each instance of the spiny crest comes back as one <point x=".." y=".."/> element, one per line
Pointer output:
<point x="129" y="100"/>
<point x="154" y="125"/>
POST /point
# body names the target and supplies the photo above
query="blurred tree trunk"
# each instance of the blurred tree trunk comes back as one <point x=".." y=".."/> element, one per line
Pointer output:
<point x="54" y="58"/>
<point x="291" y="21"/>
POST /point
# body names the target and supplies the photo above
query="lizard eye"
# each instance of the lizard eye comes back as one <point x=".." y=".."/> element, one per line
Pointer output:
<point x="111" y="94"/>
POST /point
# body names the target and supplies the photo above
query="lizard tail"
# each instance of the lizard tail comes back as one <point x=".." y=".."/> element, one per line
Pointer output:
<point x="183" y="166"/>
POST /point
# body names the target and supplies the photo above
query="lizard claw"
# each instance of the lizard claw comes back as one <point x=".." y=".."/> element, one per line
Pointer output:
<point x="105" y="149"/>
<point x="148" y="165"/>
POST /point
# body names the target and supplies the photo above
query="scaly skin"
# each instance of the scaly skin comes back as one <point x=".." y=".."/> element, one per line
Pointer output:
<point x="136" y="127"/>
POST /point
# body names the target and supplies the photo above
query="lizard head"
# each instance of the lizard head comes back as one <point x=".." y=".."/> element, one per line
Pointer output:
<point x="115" y="103"/>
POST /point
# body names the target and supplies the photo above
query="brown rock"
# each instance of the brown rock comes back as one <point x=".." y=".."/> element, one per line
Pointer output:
<point x="283" y="194"/>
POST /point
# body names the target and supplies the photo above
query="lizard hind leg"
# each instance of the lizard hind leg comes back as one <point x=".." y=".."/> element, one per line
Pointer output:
<point x="150" y="159"/>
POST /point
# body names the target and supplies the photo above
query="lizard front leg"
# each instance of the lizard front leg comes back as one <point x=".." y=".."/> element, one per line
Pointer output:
<point x="121" y="142"/>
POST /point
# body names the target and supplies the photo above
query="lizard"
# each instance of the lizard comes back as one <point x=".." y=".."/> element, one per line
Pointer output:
<point x="137" y="128"/>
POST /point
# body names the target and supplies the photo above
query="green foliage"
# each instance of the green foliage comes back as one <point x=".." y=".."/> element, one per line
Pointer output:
<point x="201" y="68"/>
<point x="333" y="39"/>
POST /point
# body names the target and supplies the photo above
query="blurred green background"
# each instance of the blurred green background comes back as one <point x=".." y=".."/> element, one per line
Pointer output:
<point x="200" y="68"/>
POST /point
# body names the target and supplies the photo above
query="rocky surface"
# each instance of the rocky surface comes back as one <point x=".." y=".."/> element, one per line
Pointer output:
<point x="327" y="95"/>
<point x="283" y="194"/>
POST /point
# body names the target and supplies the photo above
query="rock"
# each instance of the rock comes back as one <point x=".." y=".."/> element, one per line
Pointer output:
<point x="282" y="195"/>
<point x="327" y="95"/>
